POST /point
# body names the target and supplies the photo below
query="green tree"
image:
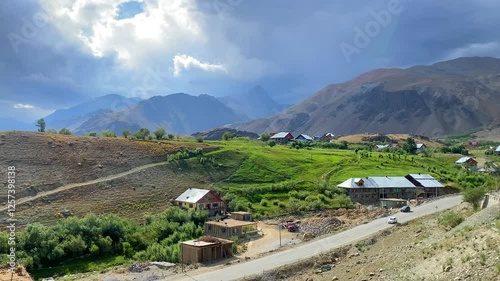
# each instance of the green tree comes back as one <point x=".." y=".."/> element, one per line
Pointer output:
<point x="93" y="134"/>
<point x="170" y="136"/>
<point x="265" y="137"/>
<point x="199" y="138"/>
<point x="126" y="133"/>
<point x="52" y="131"/>
<point x="159" y="133"/>
<point x="142" y="134"/>
<point x="410" y="146"/>
<point x="41" y="125"/>
<point x="272" y="143"/>
<point x="474" y="196"/>
<point x="228" y="135"/>
<point x="64" y="131"/>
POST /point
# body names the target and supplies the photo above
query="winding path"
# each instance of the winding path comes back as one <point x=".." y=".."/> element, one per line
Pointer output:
<point x="73" y="185"/>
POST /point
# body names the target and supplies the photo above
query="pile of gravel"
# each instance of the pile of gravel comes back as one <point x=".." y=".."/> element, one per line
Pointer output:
<point x="320" y="226"/>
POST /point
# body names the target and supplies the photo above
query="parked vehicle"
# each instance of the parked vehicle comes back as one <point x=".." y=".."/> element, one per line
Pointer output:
<point x="291" y="226"/>
<point x="392" y="220"/>
<point x="405" y="209"/>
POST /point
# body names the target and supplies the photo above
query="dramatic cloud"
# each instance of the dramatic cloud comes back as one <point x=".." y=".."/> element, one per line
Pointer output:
<point x="56" y="53"/>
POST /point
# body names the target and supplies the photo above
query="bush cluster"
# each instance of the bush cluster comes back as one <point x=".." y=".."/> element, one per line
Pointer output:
<point x="158" y="239"/>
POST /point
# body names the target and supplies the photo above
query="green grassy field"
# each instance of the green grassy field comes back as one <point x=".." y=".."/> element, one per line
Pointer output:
<point x="274" y="180"/>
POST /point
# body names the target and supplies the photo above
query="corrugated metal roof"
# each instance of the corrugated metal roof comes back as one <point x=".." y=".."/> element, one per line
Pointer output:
<point x="378" y="182"/>
<point x="463" y="160"/>
<point x="192" y="195"/>
<point x="430" y="183"/>
<point x="381" y="146"/>
<point x="498" y="149"/>
<point x="280" y="135"/>
<point x="420" y="145"/>
<point x="306" y="137"/>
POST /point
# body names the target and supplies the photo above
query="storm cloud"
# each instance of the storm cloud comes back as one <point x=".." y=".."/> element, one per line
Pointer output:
<point x="59" y="53"/>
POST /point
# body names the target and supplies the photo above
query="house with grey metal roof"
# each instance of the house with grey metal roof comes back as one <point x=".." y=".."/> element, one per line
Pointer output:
<point x="201" y="199"/>
<point x="421" y="147"/>
<point x="304" y="137"/>
<point x="468" y="163"/>
<point x="372" y="189"/>
<point x="497" y="151"/>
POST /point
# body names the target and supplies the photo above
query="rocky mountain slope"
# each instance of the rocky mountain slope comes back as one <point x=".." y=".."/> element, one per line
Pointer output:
<point x="450" y="97"/>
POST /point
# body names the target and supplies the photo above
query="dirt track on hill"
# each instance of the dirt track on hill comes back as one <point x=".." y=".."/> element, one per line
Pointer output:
<point x="73" y="185"/>
<point x="46" y="162"/>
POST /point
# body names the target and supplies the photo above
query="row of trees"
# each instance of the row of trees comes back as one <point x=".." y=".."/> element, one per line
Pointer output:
<point x="142" y="133"/>
<point x="158" y="238"/>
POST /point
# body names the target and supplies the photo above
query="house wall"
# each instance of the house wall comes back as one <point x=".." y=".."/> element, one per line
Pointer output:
<point x="367" y="195"/>
<point x="211" y="202"/>
<point x="191" y="254"/>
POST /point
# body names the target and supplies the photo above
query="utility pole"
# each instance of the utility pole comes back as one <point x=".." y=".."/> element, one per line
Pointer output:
<point x="279" y="228"/>
<point x="182" y="259"/>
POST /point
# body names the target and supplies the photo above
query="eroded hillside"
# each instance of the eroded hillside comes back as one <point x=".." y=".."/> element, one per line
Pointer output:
<point x="47" y="161"/>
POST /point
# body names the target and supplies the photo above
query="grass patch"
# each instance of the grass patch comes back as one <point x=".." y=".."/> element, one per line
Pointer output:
<point x="81" y="265"/>
<point x="450" y="219"/>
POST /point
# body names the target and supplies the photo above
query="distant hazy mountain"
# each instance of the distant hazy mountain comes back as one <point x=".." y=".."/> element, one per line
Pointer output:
<point x="9" y="124"/>
<point x="74" y="117"/>
<point x="178" y="113"/>
<point x="254" y="103"/>
<point x="450" y="97"/>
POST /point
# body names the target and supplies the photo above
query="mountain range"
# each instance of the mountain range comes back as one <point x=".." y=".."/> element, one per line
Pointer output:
<point x="178" y="113"/>
<point x="449" y="97"/>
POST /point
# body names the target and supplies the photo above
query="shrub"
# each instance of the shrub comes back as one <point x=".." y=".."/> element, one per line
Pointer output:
<point x="271" y="143"/>
<point x="265" y="137"/>
<point x="228" y="136"/>
<point x="473" y="196"/>
<point x="450" y="219"/>
<point x="199" y="138"/>
<point x="64" y="131"/>
<point x="107" y="134"/>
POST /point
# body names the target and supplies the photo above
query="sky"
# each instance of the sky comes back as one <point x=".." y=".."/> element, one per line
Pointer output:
<point x="58" y="53"/>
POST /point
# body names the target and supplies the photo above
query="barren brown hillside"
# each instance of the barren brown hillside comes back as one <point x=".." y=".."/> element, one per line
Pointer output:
<point x="47" y="161"/>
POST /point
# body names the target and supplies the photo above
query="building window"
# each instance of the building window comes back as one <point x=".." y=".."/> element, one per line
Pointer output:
<point x="209" y="228"/>
<point x="215" y="205"/>
<point x="190" y="205"/>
